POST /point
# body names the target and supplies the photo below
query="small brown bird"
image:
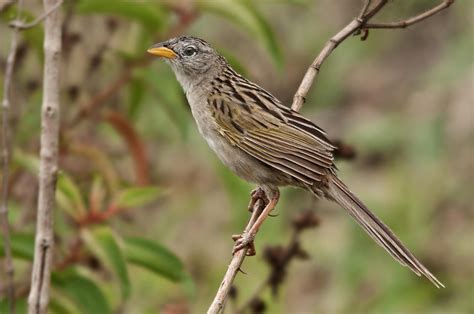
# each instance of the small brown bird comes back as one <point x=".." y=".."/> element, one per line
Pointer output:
<point x="266" y="143"/>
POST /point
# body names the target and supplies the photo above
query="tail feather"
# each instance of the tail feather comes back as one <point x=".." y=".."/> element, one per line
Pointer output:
<point x="376" y="229"/>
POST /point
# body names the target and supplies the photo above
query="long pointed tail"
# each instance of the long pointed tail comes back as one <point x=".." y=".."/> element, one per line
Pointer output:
<point x="377" y="230"/>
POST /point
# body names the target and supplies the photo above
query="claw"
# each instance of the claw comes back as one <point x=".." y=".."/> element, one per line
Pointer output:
<point x="255" y="195"/>
<point x="242" y="241"/>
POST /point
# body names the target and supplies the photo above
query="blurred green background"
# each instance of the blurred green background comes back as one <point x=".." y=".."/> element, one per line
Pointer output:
<point x="146" y="211"/>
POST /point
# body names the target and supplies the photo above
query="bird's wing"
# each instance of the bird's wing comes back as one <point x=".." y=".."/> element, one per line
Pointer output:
<point x="275" y="135"/>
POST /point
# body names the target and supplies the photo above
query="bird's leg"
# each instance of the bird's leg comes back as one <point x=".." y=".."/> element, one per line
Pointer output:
<point x="255" y="195"/>
<point x="247" y="237"/>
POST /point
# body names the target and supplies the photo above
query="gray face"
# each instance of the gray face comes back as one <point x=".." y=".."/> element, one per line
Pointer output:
<point x="193" y="57"/>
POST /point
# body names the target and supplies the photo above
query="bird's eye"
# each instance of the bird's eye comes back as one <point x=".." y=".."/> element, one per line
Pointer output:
<point x="189" y="51"/>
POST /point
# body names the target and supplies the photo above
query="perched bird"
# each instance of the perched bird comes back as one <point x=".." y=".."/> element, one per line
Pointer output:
<point x="265" y="142"/>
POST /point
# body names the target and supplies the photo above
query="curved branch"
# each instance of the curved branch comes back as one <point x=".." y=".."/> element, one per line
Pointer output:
<point x="412" y="20"/>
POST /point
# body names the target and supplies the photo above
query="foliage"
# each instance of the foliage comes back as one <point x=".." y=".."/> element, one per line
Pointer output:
<point x="144" y="209"/>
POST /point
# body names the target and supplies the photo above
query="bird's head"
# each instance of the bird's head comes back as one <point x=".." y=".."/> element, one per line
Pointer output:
<point x="191" y="58"/>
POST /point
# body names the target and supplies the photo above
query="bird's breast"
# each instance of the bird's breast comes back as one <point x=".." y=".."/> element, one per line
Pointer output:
<point x="241" y="163"/>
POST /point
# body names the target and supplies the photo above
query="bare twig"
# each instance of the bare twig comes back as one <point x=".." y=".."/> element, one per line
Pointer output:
<point x="40" y="282"/>
<point x="234" y="266"/>
<point x="313" y="70"/>
<point x="412" y="20"/>
<point x="360" y="23"/>
<point x="364" y="9"/>
<point x="356" y="25"/>
<point x="6" y="152"/>
<point x="21" y="25"/>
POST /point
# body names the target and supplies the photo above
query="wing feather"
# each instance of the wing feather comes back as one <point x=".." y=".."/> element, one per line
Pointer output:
<point x="273" y="134"/>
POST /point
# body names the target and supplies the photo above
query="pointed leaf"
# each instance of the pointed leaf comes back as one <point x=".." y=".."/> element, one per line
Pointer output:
<point x="136" y="93"/>
<point x="170" y="97"/>
<point x="69" y="197"/>
<point x="84" y="292"/>
<point x="154" y="257"/>
<point x="101" y="241"/>
<point x="97" y="194"/>
<point x="266" y="33"/>
<point x="136" y="196"/>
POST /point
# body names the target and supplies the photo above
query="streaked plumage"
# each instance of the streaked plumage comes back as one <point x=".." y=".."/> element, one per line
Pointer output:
<point x="265" y="142"/>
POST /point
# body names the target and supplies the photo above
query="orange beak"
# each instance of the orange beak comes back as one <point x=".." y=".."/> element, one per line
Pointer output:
<point x="162" y="52"/>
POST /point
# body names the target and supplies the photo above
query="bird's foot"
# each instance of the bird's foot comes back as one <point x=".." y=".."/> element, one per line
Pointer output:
<point x="255" y="195"/>
<point x="244" y="240"/>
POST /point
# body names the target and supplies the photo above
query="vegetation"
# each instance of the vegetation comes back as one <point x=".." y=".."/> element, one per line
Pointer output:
<point x="144" y="209"/>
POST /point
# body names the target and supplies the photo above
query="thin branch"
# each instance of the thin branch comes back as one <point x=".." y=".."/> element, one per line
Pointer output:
<point x="234" y="266"/>
<point x="355" y="26"/>
<point x="331" y="44"/>
<point x="40" y="282"/>
<point x="6" y="152"/>
<point x="412" y="20"/>
<point x="20" y="25"/>
<point x="364" y="9"/>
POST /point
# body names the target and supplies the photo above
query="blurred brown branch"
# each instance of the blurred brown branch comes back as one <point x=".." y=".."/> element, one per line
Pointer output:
<point x="6" y="152"/>
<point x="40" y="282"/>
<point x="355" y="27"/>
<point x="135" y="145"/>
<point x="279" y="258"/>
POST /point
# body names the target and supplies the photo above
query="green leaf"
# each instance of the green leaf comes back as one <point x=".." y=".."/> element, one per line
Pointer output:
<point x="61" y="306"/>
<point x="68" y="196"/>
<point x="22" y="245"/>
<point x="82" y="291"/>
<point x="267" y="34"/>
<point x="101" y="241"/>
<point x="245" y="14"/>
<point x="136" y="196"/>
<point x="21" y="306"/>
<point x="154" y="257"/>
<point x="149" y="14"/>
<point x="170" y="98"/>
<point x="136" y="93"/>
<point x="97" y="194"/>
<point x="29" y="162"/>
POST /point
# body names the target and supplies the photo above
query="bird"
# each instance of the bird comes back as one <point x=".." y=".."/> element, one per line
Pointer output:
<point x="267" y="143"/>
